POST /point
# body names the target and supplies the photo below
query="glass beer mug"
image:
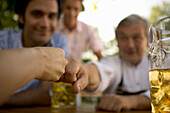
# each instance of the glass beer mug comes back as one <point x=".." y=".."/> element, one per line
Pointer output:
<point x="159" y="59"/>
<point x="62" y="95"/>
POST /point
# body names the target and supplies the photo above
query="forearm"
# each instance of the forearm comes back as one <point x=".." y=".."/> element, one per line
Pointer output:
<point x="34" y="97"/>
<point x="94" y="77"/>
<point x="99" y="54"/>
<point x="140" y="102"/>
<point x="17" y="67"/>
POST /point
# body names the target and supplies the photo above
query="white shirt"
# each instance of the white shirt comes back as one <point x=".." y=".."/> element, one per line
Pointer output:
<point x="135" y="78"/>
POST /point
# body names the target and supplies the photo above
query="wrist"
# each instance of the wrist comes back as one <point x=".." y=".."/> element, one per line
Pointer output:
<point x="39" y="61"/>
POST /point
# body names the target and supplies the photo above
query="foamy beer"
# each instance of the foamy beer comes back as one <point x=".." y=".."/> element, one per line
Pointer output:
<point x="159" y="59"/>
<point x="63" y="95"/>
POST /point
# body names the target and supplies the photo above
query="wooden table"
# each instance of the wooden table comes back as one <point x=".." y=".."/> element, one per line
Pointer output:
<point x="63" y="110"/>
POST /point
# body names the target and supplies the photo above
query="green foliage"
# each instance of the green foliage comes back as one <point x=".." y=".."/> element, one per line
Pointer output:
<point x="160" y="11"/>
<point x="110" y="48"/>
<point x="8" y="18"/>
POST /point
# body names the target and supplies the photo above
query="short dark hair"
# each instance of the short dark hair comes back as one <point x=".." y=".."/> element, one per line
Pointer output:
<point x="62" y="2"/>
<point x="21" y="5"/>
<point x="132" y="19"/>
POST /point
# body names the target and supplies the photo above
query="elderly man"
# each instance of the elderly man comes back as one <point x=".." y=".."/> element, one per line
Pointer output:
<point x="124" y="78"/>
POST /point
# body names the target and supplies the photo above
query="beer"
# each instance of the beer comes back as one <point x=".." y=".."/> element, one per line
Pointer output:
<point x="63" y="95"/>
<point x="160" y="90"/>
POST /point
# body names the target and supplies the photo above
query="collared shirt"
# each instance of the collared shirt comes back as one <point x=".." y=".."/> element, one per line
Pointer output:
<point x="135" y="78"/>
<point x="79" y="38"/>
<point x="12" y="39"/>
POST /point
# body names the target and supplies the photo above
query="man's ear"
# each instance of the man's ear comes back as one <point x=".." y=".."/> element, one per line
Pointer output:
<point x="21" y="18"/>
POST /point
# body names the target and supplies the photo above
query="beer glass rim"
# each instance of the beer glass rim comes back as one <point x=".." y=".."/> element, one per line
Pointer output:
<point x="159" y="44"/>
<point x="153" y="24"/>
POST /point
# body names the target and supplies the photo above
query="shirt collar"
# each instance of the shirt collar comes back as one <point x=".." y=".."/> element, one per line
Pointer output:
<point x="51" y="43"/>
<point x="143" y="61"/>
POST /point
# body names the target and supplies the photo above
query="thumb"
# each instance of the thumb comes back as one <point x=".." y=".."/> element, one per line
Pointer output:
<point x="80" y="84"/>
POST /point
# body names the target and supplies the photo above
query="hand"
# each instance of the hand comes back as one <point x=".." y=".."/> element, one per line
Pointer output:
<point x="76" y="74"/>
<point x="111" y="102"/>
<point x="53" y="63"/>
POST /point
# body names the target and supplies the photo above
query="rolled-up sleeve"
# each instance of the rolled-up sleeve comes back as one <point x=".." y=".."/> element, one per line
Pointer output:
<point x="106" y="76"/>
<point x="108" y="73"/>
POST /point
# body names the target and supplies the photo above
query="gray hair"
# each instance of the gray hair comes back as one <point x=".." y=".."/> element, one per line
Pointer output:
<point x="133" y="19"/>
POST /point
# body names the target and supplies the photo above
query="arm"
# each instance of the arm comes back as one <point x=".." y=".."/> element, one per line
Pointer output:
<point x="40" y="63"/>
<point x="83" y="76"/>
<point x="119" y="102"/>
<point x="94" y="76"/>
<point x="32" y="97"/>
<point x="94" y="43"/>
<point x="99" y="54"/>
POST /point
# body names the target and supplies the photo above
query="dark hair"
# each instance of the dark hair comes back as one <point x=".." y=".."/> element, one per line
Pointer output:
<point x="21" y="5"/>
<point x="132" y="19"/>
<point x="62" y="2"/>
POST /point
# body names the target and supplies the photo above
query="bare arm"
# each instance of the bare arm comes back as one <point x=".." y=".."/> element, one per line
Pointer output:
<point x="34" y="97"/>
<point x="99" y="54"/>
<point x="94" y="76"/>
<point x="18" y="67"/>
<point x="111" y="102"/>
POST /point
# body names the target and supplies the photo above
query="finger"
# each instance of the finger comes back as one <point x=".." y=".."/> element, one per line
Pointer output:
<point x="70" y="75"/>
<point x="102" y="104"/>
<point x="117" y="108"/>
<point x="68" y="78"/>
<point x="62" y="78"/>
<point x="99" y="108"/>
<point x="81" y="83"/>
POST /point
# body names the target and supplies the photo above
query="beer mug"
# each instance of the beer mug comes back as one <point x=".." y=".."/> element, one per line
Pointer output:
<point x="159" y="64"/>
<point x="62" y="95"/>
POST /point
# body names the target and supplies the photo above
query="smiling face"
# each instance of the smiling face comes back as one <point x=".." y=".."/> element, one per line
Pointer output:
<point x="132" y="42"/>
<point x="71" y="11"/>
<point x="39" y="21"/>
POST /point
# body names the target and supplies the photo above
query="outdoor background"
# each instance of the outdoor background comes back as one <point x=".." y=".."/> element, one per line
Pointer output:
<point x="102" y="15"/>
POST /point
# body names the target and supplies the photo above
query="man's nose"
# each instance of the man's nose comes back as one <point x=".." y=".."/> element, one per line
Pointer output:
<point x="45" y="22"/>
<point x="72" y="12"/>
<point x="131" y="43"/>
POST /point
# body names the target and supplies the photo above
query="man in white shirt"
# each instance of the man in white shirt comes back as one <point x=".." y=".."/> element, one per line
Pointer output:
<point x="124" y="78"/>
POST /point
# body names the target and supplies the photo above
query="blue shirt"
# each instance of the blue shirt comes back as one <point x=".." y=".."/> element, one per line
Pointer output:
<point x="12" y="39"/>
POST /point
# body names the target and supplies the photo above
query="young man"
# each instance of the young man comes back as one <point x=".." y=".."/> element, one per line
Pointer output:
<point x="79" y="34"/>
<point x="124" y="78"/>
<point x="38" y="20"/>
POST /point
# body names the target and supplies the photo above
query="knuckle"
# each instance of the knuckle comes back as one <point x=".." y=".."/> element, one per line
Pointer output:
<point x="65" y="62"/>
<point x="62" y="71"/>
<point x="56" y="77"/>
<point x="61" y="51"/>
<point x="74" y="79"/>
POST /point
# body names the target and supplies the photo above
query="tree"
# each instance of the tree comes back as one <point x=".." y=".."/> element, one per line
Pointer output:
<point x="159" y="11"/>
<point x="8" y="18"/>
